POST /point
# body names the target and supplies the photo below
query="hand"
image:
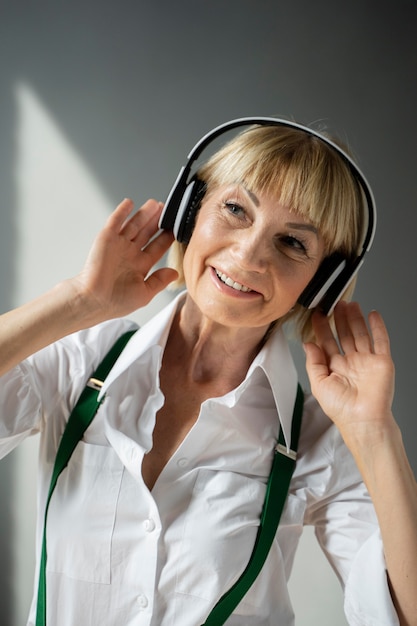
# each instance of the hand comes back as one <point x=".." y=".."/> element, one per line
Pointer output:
<point x="115" y="278"/>
<point x="352" y="374"/>
<point x="352" y="377"/>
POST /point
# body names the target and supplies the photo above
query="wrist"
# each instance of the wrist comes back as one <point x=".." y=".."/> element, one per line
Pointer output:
<point x="374" y="447"/>
<point x="366" y="436"/>
<point x="82" y="310"/>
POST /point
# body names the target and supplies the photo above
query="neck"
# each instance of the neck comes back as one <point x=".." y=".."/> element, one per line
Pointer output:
<point x="208" y="352"/>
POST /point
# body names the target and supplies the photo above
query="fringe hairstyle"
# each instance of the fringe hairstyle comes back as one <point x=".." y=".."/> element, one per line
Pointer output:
<point x="302" y="172"/>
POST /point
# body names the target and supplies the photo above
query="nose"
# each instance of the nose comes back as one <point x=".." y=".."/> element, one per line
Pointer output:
<point x="251" y="251"/>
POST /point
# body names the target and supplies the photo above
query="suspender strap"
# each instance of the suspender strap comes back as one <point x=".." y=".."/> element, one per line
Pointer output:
<point x="276" y="493"/>
<point x="78" y="422"/>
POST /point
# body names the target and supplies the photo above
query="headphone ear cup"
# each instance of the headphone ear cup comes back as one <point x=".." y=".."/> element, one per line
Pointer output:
<point x="188" y="209"/>
<point x="339" y="285"/>
<point x="314" y="295"/>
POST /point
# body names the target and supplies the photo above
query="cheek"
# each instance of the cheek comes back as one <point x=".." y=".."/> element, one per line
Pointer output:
<point x="205" y="226"/>
<point x="291" y="280"/>
<point x="193" y="262"/>
<point x="202" y="242"/>
<point x="187" y="263"/>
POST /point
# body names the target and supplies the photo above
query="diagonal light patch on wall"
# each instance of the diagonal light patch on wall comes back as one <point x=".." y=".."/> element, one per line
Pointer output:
<point x="60" y="204"/>
<point x="60" y="209"/>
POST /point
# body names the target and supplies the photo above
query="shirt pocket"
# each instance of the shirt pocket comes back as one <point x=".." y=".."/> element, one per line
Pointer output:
<point x="219" y="532"/>
<point x="82" y="514"/>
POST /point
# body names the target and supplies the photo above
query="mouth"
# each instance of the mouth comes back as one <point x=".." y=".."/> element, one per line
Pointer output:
<point x="224" y="278"/>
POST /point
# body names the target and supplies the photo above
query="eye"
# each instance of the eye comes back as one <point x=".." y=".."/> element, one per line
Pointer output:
<point x="294" y="243"/>
<point x="234" y="208"/>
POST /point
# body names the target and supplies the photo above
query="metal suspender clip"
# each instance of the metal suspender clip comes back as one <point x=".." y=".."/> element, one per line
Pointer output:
<point x="95" y="383"/>
<point x="288" y="453"/>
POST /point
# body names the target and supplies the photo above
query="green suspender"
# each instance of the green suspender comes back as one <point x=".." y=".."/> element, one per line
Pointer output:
<point x="276" y="492"/>
<point x="78" y="422"/>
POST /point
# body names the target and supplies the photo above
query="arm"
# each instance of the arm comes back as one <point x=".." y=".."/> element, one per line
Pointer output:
<point x="113" y="283"/>
<point x="354" y="386"/>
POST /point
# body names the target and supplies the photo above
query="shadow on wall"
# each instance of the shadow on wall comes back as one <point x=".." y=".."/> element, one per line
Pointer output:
<point x="7" y="286"/>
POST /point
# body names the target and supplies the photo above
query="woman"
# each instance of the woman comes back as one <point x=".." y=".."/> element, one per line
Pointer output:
<point x="156" y="515"/>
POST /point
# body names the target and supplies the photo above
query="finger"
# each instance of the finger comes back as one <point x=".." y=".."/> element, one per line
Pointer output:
<point x="351" y="328"/>
<point x="158" y="280"/>
<point x="380" y="335"/>
<point x="157" y="247"/>
<point x="343" y="330"/>
<point x="119" y="216"/>
<point x="316" y="363"/>
<point x="141" y="226"/>
<point x="324" y="334"/>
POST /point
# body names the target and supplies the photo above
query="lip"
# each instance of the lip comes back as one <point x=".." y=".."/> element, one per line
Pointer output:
<point x="224" y="288"/>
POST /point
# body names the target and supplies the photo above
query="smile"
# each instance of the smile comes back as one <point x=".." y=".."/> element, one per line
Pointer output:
<point x="231" y="283"/>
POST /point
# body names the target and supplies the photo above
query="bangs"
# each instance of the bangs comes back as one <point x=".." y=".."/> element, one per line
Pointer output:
<point x="302" y="172"/>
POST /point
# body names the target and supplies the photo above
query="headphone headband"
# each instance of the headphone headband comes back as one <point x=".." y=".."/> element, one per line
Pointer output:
<point x="186" y="194"/>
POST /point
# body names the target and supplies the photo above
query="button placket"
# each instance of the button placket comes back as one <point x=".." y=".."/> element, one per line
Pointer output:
<point x="142" y="601"/>
<point x="149" y="525"/>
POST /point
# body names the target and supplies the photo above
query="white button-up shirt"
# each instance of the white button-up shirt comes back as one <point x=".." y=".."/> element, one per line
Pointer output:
<point x="121" y="555"/>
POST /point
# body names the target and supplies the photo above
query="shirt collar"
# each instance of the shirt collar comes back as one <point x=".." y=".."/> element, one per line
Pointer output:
<point x="153" y="333"/>
<point x="274" y="359"/>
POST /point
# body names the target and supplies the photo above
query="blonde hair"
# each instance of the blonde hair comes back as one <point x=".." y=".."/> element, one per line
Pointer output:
<point x="304" y="173"/>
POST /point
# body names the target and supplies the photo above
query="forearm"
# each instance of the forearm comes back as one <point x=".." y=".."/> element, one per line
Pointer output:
<point x="31" y="327"/>
<point x="384" y="466"/>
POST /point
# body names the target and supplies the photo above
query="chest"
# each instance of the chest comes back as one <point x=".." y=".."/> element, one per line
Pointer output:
<point x="174" y="420"/>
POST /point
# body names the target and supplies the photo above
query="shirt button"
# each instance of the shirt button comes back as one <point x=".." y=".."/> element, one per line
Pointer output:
<point x="142" y="601"/>
<point x="182" y="462"/>
<point x="149" y="525"/>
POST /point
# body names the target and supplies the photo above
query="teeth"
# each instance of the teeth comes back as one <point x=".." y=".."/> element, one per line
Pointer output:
<point x="231" y="283"/>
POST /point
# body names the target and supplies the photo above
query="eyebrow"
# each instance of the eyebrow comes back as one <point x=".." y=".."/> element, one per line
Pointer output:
<point x="294" y="225"/>
<point x="252" y="196"/>
<point x="302" y="226"/>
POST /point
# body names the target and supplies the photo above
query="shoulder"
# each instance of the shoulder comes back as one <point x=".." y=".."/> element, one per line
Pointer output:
<point x="73" y="358"/>
<point x="97" y="340"/>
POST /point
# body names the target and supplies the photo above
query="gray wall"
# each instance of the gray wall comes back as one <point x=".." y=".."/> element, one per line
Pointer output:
<point x="130" y="86"/>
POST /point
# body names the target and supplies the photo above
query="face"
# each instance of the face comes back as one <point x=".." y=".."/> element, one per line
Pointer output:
<point x="249" y="258"/>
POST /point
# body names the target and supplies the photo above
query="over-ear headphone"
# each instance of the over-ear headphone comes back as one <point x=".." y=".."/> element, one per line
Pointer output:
<point x="335" y="272"/>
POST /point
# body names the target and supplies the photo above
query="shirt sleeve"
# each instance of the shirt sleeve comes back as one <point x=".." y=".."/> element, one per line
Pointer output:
<point x="20" y="408"/>
<point x="48" y="384"/>
<point x="341" y="511"/>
